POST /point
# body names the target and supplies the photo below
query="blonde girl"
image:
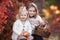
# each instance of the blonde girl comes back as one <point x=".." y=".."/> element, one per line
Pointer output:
<point x="34" y="18"/>
<point x="22" y="28"/>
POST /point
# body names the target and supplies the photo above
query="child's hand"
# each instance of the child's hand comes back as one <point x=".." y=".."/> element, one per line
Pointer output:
<point x="40" y="26"/>
<point x="34" y="22"/>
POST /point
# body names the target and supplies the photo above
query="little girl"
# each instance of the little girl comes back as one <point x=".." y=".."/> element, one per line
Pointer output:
<point x="22" y="28"/>
<point x="34" y="18"/>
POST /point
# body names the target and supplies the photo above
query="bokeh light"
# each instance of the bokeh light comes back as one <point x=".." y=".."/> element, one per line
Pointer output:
<point x="46" y="12"/>
<point x="52" y="7"/>
<point x="57" y="12"/>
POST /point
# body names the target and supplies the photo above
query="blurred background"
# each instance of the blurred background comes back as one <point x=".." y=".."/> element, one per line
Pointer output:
<point x="49" y="9"/>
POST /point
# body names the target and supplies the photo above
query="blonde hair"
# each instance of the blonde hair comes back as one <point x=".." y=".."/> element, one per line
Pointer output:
<point x="33" y="5"/>
<point x="23" y="10"/>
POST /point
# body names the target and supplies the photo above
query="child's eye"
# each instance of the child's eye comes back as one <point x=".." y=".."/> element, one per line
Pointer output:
<point x="30" y="10"/>
<point x="24" y="15"/>
<point x="34" y="11"/>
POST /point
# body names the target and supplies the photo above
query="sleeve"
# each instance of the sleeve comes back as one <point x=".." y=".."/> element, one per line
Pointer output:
<point x="40" y="20"/>
<point x="33" y="27"/>
<point x="15" y="28"/>
<point x="30" y="29"/>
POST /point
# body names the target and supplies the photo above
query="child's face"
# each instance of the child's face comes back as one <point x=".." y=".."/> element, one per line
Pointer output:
<point x="31" y="11"/>
<point x="23" y="16"/>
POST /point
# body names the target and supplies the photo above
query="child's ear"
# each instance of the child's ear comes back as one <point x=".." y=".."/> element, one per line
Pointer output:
<point x="17" y="16"/>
